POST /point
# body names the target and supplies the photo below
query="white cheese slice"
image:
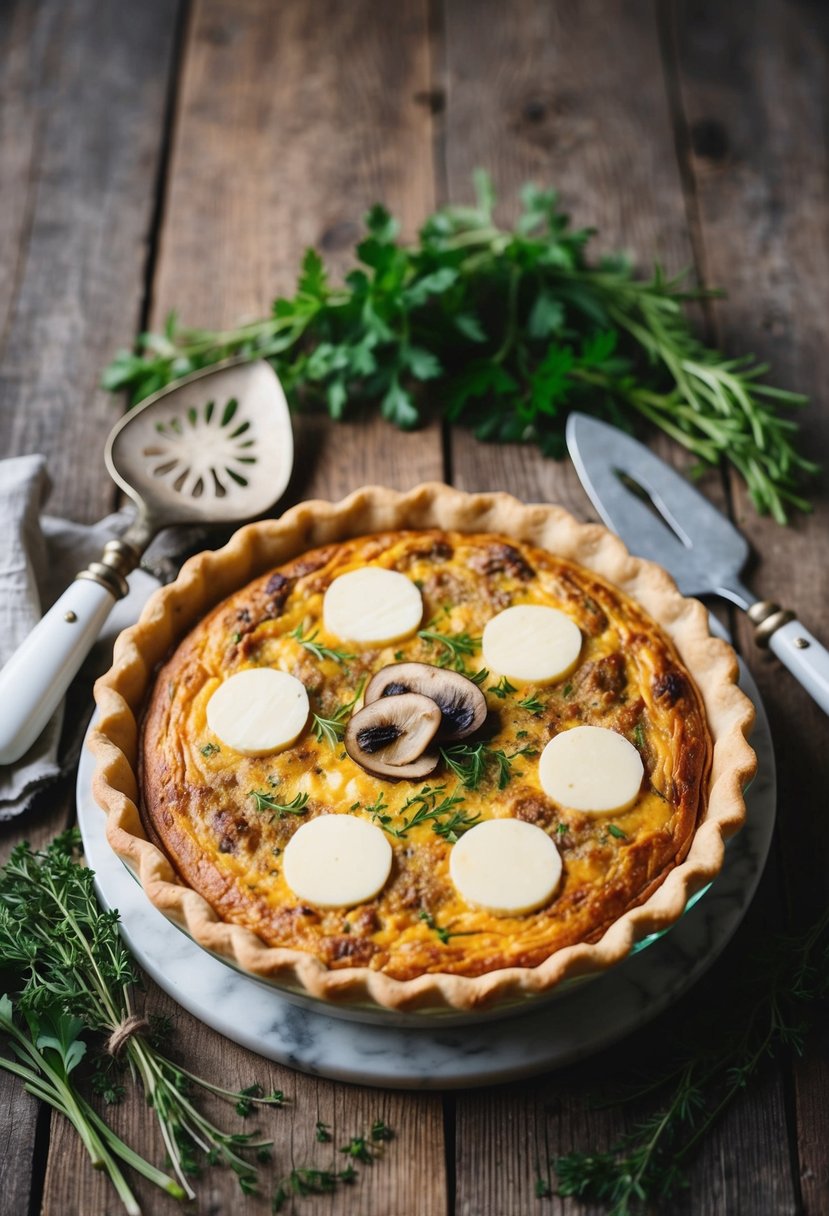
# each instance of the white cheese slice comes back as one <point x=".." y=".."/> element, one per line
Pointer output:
<point x="591" y="769"/>
<point x="259" y="710"/>
<point x="372" y="605"/>
<point x="506" y="866"/>
<point x="531" y="643"/>
<point x="337" y="861"/>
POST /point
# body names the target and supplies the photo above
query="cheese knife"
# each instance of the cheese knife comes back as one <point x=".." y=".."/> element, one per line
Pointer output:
<point x="661" y="516"/>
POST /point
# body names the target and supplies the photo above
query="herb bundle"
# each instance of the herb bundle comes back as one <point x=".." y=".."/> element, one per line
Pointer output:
<point x="511" y="329"/>
<point x="68" y="983"/>
<point x="777" y="995"/>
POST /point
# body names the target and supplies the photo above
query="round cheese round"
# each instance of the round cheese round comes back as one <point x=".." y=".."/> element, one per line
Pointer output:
<point x="507" y="866"/>
<point x="258" y="711"/>
<point x="531" y="643"/>
<point x="337" y="861"/>
<point x="590" y="768"/>
<point x="372" y="606"/>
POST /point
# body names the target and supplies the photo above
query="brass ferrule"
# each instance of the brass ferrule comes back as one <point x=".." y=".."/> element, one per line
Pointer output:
<point x="768" y="617"/>
<point x="111" y="571"/>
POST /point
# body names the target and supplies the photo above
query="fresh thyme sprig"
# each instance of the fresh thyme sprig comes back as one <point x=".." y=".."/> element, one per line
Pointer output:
<point x="332" y="729"/>
<point x="502" y="689"/>
<point x="453" y="647"/>
<point x="317" y="649"/>
<point x="532" y="705"/>
<point x="266" y="802"/>
<point x="443" y="933"/>
<point x="304" y="1181"/>
<point x="70" y="980"/>
<point x="513" y="328"/>
<point x="433" y="805"/>
<point x="471" y="761"/>
<point x="774" y="999"/>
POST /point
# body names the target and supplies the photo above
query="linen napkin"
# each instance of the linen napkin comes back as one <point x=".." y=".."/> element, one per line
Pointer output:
<point x="39" y="557"/>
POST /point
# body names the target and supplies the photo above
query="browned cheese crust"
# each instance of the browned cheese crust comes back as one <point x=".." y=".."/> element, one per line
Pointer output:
<point x="199" y="796"/>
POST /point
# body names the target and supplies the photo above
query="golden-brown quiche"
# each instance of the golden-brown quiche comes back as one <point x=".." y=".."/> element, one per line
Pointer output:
<point x="431" y="750"/>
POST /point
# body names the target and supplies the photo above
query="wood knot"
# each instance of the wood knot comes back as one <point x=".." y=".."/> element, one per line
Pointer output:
<point x="709" y="140"/>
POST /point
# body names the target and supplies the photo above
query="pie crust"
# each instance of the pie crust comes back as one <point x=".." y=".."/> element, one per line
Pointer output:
<point x="211" y="577"/>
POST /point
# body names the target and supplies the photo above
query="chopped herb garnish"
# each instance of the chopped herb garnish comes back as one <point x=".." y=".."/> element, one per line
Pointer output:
<point x="317" y="649"/>
<point x="617" y="832"/>
<point x="562" y="829"/>
<point x="236" y="638"/>
<point x="433" y="805"/>
<point x="443" y="934"/>
<point x="567" y="690"/>
<point x="502" y="688"/>
<point x="266" y="802"/>
<point x="454" y="647"/>
<point x="478" y="677"/>
<point x="323" y="1133"/>
<point x="469" y="762"/>
<point x="210" y="749"/>
<point x="332" y="729"/>
<point x="639" y="735"/>
<point x="532" y="705"/>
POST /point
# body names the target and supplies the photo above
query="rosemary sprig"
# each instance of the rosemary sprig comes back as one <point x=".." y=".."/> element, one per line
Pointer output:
<point x="513" y="328"/>
<point x="532" y="705"/>
<point x="773" y="1002"/>
<point x="266" y="802"/>
<point x="317" y="649"/>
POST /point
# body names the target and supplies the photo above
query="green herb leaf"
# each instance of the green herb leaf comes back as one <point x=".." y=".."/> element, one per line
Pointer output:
<point x="266" y="802"/>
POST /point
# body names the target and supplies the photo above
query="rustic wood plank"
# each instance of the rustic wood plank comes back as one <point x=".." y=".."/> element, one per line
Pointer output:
<point x="573" y="96"/>
<point x="256" y="173"/>
<point x="755" y="97"/>
<point x="83" y="88"/>
<point x="79" y="183"/>
<point x="260" y="173"/>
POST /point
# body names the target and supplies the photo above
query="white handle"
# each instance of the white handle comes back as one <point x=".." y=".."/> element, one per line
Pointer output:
<point x="806" y="658"/>
<point x="39" y="672"/>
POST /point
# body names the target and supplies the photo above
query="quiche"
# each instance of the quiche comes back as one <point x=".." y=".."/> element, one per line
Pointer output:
<point x="433" y="751"/>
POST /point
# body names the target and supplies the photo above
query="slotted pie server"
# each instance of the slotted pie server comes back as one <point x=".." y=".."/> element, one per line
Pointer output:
<point x="216" y="447"/>
<point x="659" y="515"/>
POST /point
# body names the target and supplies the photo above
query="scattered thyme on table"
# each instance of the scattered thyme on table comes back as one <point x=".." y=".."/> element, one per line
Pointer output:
<point x="512" y="329"/>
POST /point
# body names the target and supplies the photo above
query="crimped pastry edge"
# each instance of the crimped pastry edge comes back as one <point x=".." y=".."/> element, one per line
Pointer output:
<point x="210" y="577"/>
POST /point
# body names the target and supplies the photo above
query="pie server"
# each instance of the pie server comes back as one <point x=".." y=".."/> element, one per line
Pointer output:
<point x="660" y="516"/>
<point x="214" y="447"/>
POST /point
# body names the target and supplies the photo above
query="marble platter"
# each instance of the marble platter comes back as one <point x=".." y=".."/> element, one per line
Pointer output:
<point x="557" y="1030"/>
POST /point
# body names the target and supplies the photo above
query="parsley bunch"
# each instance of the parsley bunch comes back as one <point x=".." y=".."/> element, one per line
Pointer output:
<point x="510" y="329"/>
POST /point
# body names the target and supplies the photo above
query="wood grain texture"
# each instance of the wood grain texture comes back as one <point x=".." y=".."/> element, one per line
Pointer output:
<point x="79" y="171"/>
<point x="536" y="94"/>
<point x="289" y="123"/>
<point x="82" y="89"/>
<point x="293" y="120"/>
<point x="755" y="89"/>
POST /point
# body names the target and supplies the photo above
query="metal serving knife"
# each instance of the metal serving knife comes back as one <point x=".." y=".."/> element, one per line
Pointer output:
<point x="659" y="515"/>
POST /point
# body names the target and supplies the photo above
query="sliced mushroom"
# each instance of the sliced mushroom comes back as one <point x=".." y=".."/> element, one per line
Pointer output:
<point x="389" y="737"/>
<point x="462" y="704"/>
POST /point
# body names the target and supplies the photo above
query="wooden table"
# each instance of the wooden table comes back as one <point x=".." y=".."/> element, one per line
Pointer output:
<point x="171" y="154"/>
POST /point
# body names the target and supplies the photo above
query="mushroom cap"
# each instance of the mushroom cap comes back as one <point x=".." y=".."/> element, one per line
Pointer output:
<point x="391" y="735"/>
<point x="462" y="704"/>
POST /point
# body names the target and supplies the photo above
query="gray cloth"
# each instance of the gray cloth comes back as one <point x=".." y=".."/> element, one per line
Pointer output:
<point x="39" y="557"/>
